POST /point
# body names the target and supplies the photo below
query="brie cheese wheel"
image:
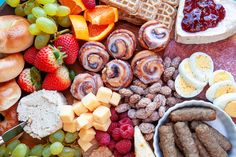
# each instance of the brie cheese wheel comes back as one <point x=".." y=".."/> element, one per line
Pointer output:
<point x="224" y="29"/>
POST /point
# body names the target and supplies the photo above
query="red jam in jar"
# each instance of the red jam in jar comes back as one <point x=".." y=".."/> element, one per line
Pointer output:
<point x="199" y="15"/>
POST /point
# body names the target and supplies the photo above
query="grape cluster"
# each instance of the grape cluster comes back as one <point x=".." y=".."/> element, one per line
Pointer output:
<point x="58" y="145"/>
<point x="44" y="16"/>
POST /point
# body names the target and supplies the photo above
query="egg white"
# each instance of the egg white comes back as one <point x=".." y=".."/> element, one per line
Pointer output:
<point x="223" y="100"/>
<point x="212" y="77"/>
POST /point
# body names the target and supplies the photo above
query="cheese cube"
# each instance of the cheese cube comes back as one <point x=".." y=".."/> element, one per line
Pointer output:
<point x="102" y="127"/>
<point x="115" y="99"/>
<point x="70" y="127"/>
<point x="89" y="117"/>
<point x="81" y="122"/>
<point x="101" y="114"/>
<point x="87" y="134"/>
<point x="104" y="94"/>
<point x="90" y="101"/>
<point x="105" y="104"/>
<point x="79" y="108"/>
<point x="85" y="145"/>
<point x="67" y="114"/>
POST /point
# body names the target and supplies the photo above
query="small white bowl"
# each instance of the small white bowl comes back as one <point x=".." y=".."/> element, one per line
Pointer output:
<point x="223" y="124"/>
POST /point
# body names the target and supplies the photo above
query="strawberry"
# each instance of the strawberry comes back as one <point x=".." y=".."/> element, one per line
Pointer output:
<point x="67" y="43"/>
<point x="89" y="4"/>
<point x="49" y="59"/>
<point x="30" y="80"/>
<point x="59" y="80"/>
<point x="30" y="55"/>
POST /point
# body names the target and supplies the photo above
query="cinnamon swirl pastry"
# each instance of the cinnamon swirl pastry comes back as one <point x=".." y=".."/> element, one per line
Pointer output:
<point x="85" y="83"/>
<point x="147" y="66"/>
<point x="154" y="36"/>
<point x="93" y="56"/>
<point x="121" y="44"/>
<point x="117" y="74"/>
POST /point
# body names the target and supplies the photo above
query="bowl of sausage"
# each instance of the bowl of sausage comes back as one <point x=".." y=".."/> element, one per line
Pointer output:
<point x="195" y="129"/>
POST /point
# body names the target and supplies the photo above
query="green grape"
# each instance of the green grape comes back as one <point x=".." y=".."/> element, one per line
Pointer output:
<point x="78" y="152"/>
<point x="38" y="12"/>
<point x="3" y="150"/>
<point x="41" y="40"/>
<point x="45" y="1"/>
<point x="58" y="136"/>
<point x="37" y="150"/>
<point x="70" y="137"/>
<point x="11" y="146"/>
<point x="63" y="11"/>
<point x="50" y="9"/>
<point x="67" y="152"/>
<point x="31" y="18"/>
<point x="46" y="151"/>
<point x="56" y="148"/>
<point x="13" y="3"/>
<point x="34" y="30"/>
<point x="46" y="25"/>
<point x="19" y="10"/>
<point x="20" y="151"/>
<point x="64" y="21"/>
<point x="28" y="151"/>
<point x="28" y="7"/>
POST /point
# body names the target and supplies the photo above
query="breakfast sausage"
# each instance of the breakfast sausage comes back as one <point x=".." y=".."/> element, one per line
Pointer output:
<point x="202" y="150"/>
<point x="193" y="113"/>
<point x="221" y="139"/>
<point x="185" y="137"/>
<point x="206" y="137"/>
<point x="167" y="141"/>
<point x="177" y="142"/>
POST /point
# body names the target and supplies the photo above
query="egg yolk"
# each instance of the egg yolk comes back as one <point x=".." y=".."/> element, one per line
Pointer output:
<point x="230" y="108"/>
<point x="187" y="88"/>
<point x="221" y="76"/>
<point x="203" y="63"/>
<point x="224" y="90"/>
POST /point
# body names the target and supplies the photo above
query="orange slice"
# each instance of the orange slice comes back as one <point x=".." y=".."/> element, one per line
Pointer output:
<point x="101" y="15"/>
<point x="99" y="32"/>
<point x="76" y="6"/>
<point x="80" y="27"/>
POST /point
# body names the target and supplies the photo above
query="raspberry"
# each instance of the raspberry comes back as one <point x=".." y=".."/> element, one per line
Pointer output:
<point x="114" y="115"/>
<point x="102" y="138"/>
<point x="123" y="115"/>
<point x="129" y="155"/>
<point x="126" y="121"/>
<point x="116" y="134"/>
<point x="112" y="145"/>
<point x="89" y="4"/>
<point x="124" y="146"/>
<point x="112" y="127"/>
<point x="127" y="131"/>
<point x="117" y="154"/>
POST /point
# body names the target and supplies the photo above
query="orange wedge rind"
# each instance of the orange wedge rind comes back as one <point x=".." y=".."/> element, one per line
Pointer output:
<point x="80" y="27"/>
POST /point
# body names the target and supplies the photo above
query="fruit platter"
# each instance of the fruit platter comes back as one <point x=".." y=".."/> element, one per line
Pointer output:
<point x="118" y="78"/>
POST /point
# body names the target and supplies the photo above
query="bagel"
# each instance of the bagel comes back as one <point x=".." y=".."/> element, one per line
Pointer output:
<point x="10" y="93"/>
<point x="14" y="34"/>
<point x="11" y="66"/>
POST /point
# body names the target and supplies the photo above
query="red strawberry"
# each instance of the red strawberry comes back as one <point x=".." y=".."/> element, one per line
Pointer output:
<point x="30" y="55"/>
<point x="59" y="80"/>
<point x="30" y="80"/>
<point x="49" y="59"/>
<point x="67" y="43"/>
<point x="89" y="4"/>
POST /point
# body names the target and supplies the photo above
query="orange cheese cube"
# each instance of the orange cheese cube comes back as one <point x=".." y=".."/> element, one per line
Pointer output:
<point x="87" y="134"/>
<point x="90" y="101"/>
<point x="102" y="127"/>
<point x="104" y="94"/>
<point x="85" y="145"/>
<point x="115" y="99"/>
<point x="79" y="108"/>
<point x="70" y="127"/>
<point x="101" y="114"/>
<point x="89" y="117"/>
<point x="67" y="114"/>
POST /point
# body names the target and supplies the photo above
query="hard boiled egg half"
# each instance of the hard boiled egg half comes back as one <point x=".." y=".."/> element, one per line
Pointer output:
<point x="220" y="75"/>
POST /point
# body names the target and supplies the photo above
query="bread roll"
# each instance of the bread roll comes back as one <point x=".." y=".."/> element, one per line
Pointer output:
<point x="14" y="34"/>
<point x="10" y="93"/>
<point x="11" y="66"/>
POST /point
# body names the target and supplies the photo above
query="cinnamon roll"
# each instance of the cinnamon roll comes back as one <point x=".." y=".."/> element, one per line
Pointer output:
<point x="93" y="56"/>
<point x="147" y="66"/>
<point x="117" y="74"/>
<point x="154" y="36"/>
<point x="121" y="44"/>
<point x="85" y="83"/>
